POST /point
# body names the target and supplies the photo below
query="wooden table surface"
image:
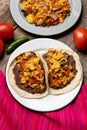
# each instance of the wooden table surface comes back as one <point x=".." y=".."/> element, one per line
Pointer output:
<point x="66" y="37"/>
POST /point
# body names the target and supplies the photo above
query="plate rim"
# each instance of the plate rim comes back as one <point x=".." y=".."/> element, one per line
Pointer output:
<point x="36" y="101"/>
<point x="46" y="31"/>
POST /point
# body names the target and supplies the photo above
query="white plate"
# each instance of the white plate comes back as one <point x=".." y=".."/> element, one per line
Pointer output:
<point x="46" y="31"/>
<point x="50" y="102"/>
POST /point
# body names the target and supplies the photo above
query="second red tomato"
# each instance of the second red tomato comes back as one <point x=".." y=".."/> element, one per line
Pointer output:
<point x="80" y="38"/>
<point x="6" y="31"/>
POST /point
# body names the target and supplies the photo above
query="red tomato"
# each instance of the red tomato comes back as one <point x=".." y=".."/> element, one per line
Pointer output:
<point x="6" y="31"/>
<point x="1" y="47"/>
<point x="80" y="38"/>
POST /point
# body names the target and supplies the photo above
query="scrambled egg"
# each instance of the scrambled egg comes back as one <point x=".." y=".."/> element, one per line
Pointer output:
<point x="31" y="73"/>
<point x="60" y="71"/>
<point x="46" y="12"/>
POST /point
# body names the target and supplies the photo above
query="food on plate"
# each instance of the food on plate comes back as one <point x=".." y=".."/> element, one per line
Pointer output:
<point x="6" y="31"/>
<point x="15" y="44"/>
<point x="64" y="70"/>
<point x="35" y="75"/>
<point x="80" y="38"/>
<point x="46" y="12"/>
<point x="1" y="48"/>
<point x="27" y="75"/>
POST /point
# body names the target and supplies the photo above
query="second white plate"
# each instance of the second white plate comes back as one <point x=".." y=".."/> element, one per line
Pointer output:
<point x="46" y="31"/>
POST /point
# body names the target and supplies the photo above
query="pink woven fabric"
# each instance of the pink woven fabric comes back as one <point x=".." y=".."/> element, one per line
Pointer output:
<point x="14" y="116"/>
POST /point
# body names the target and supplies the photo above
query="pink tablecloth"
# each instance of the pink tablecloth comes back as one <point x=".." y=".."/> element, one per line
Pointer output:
<point x="14" y="116"/>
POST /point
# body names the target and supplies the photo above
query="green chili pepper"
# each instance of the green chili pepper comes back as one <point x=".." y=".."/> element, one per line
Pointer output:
<point x="15" y="44"/>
